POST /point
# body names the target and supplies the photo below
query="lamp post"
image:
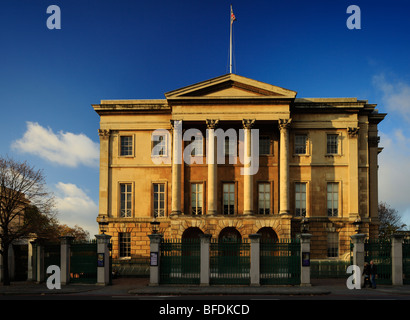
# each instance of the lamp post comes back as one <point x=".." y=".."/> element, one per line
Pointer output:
<point x="304" y="225"/>
<point x="154" y="225"/>
<point x="103" y="223"/>
<point x="357" y="223"/>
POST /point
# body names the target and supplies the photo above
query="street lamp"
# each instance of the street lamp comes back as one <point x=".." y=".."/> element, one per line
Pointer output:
<point x="103" y="223"/>
<point x="304" y="225"/>
<point x="154" y="225"/>
<point x="357" y="223"/>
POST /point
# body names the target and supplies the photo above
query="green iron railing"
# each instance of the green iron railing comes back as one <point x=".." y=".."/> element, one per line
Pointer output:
<point x="324" y="269"/>
<point x="379" y="250"/>
<point x="83" y="262"/>
<point x="180" y="261"/>
<point x="230" y="262"/>
<point x="280" y="262"/>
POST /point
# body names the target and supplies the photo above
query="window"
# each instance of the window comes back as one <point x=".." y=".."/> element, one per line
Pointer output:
<point x="230" y="147"/>
<point x="126" y="146"/>
<point x="159" y="147"/>
<point x="197" y="146"/>
<point x="126" y="198"/>
<point x="300" y="199"/>
<point x="264" y="198"/>
<point x="332" y="199"/>
<point x="159" y="199"/>
<point x="333" y="245"/>
<point x="300" y="143"/>
<point x="264" y="145"/>
<point x="228" y="198"/>
<point x="125" y="244"/>
<point x="196" y="198"/>
<point x="332" y="144"/>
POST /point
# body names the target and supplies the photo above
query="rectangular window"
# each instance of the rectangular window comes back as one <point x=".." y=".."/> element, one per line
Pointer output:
<point x="197" y="146"/>
<point x="333" y="245"/>
<point x="228" y="198"/>
<point x="125" y="244"/>
<point x="332" y="144"/>
<point x="332" y="199"/>
<point x="126" y="146"/>
<point x="126" y="200"/>
<point x="264" y="198"/>
<point x="159" y="199"/>
<point x="230" y="147"/>
<point x="264" y="145"/>
<point x="300" y="199"/>
<point x="300" y="143"/>
<point x="159" y="145"/>
<point x="196" y="198"/>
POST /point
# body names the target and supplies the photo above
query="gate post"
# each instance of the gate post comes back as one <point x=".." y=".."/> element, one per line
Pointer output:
<point x="305" y="259"/>
<point x="397" y="259"/>
<point x="358" y="251"/>
<point x="155" y="246"/>
<point x="255" y="273"/>
<point x="204" y="259"/>
<point x="65" y="259"/>
<point x="40" y="261"/>
<point x="103" y="259"/>
<point x="30" y="259"/>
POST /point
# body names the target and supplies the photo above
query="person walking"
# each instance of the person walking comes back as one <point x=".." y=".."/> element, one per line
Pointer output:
<point x="373" y="274"/>
<point x="366" y="273"/>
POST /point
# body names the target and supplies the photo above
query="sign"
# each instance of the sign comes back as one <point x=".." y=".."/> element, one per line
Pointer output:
<point x="100" y="260"/>
<point x="154" y="259"/>
<point x="305" y="259"/>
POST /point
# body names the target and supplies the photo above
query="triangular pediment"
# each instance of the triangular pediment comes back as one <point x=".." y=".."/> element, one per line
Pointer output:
<point x="230" y="86"/>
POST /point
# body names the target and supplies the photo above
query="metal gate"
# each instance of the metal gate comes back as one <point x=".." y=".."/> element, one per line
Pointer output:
<point x="406" y="261"/>
<point x="52" y="252"/>
<point x="230" y="262"/>
<point x="280" y="262"/>
<point x="180" y="261"/>
<point x="83" y="262"/>
<point x="379" y="251"/>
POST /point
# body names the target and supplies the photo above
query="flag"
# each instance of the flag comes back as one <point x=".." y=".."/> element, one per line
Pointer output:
<point x="232" y="16"/>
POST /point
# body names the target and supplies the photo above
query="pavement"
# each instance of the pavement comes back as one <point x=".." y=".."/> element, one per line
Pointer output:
<point x="140" y="287"/>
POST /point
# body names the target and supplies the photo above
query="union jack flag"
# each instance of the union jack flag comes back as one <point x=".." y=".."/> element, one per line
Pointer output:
<point x="233" y="18"/>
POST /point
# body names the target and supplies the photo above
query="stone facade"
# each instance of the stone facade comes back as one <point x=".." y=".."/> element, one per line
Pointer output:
<point x="318" y="158"/>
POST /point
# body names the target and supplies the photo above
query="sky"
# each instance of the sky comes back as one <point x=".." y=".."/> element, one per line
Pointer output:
<point x="106" y="49"/>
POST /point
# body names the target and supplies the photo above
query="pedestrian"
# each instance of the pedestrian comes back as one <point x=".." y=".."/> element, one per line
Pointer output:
<point x="366" y="273"/>
<point x="373" y="274"/>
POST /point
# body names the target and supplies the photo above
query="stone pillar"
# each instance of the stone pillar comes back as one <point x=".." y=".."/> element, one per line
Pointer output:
<point x="103" y="266"/>
<point x="353" y="172"/>
<point x="373" y="175"/>
<point x="358" y="250"/>
<point x="255" y="273"/>
<point x="212" y="167"/>
<point x="176" y="166"/>
<point x="155" y="246"/>
<point x="397" y="259"/>
<point x="305" y="259"/>
<point x="30" y="260"/>
<point x="40" y="276"/>
<point x="65" y="259"/>
<point x="284" y="185"/>
<point x="104" y="171"/>
<point x="205" y="259"/>
<point x="248" y="176"/>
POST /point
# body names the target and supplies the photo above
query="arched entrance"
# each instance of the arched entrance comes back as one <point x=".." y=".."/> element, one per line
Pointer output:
<point x="191" y="233"/>
<point x="229" y="234"/>
<point x="267" y="234"/>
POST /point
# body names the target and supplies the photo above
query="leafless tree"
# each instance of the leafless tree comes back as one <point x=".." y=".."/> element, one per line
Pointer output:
<point x="390" y="221"/>
<point x="21" y="186"/>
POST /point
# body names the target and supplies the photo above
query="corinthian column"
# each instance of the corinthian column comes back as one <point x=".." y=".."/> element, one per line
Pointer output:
<point x="176" y="166"/>
<point x="104" y="171"/>
<point x="212" y="167"/>
<point x="284" y="185"/>
<point x="248" y="176"/>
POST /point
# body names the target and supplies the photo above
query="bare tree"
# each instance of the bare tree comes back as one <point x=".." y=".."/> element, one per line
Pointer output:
<point x="390" y="220"/>
<point x="21" y="186"/>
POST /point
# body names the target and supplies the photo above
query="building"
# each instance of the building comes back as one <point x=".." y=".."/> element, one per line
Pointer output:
<point x="317" y="159"/>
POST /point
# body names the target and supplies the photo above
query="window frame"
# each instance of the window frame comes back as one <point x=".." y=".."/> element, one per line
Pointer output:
<point x="131" y="200"/>
<point x="158" y="202"/>
<point x="198" y="196"/>
<point x="338" y="144"/>
<point x="234" y="205"/>
<point x="299" y="211"/>
<point x="335" y="190"/>
<point x="333" y="245"/>
<point x="155" y="142"/>
<point x="131" y="145"/>
<point x="269" y="208"/>
<point x="295" y="145"/>
<point x="268" y="139"/>
<point x="124" y="245"/>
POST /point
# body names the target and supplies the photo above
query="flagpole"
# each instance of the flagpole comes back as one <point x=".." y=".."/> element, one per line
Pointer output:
<point x="230" y="42"/>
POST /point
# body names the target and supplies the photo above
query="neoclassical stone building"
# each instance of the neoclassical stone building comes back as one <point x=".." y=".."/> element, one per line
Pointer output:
<point x="183" y="160"/>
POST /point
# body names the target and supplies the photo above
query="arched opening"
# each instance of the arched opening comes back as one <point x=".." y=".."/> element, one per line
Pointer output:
<point x="267" y="234"/>
<point x="229" y="234"/>
<point x="191" y="233"/>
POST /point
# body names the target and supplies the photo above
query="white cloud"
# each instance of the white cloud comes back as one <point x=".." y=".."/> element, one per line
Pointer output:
<point x="63" y="148"/>
<point x="75" y="207"/>
<point x="396" y="96"/>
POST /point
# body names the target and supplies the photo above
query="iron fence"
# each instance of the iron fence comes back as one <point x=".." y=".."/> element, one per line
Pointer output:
<point x="379" y="250"/>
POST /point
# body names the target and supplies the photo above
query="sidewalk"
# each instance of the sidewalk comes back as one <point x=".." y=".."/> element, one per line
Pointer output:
<point x="139" y="286"/>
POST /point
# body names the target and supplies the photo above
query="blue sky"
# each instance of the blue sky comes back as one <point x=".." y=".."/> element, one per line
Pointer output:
<point x="110" y="49"/>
